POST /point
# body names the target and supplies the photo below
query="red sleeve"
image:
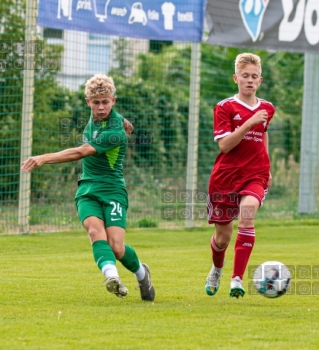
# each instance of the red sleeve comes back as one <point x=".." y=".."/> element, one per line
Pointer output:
<point x="222" y="121"/>
<point x="271" y="111"/>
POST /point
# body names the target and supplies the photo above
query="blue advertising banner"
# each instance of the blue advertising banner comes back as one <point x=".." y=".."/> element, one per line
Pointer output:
<point x="174" y="20"/>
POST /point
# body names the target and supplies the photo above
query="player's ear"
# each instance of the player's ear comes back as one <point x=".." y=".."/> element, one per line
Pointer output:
<point x="260" y="80"/>
<point x="87" y="100"/>
<point x="235" y="78"/>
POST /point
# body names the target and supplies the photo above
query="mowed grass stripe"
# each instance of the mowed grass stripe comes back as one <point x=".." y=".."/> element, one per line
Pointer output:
<point x="52" y="294"/>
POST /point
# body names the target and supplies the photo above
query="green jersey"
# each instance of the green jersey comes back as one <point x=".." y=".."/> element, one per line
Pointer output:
<point x="109" y="139"/>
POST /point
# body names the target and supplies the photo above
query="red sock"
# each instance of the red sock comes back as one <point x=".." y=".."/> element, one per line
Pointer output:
<point x="218" y="253"/>
<point x="244" y="245"/>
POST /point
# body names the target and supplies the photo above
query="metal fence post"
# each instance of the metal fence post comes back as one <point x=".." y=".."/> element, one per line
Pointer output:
<point x="27" y="114"/>
<point x="309" y="156"/>
<point x="193" y="120"/>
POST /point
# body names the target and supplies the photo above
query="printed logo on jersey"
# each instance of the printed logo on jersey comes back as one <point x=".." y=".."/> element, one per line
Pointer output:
<point x="252" y="13"/>
<point x="218" y="212"/>
<point x="237" y="117"/>
<point x="219" y="132"/>
<point x="94" y="134"/>
<point x="85" y="139"/>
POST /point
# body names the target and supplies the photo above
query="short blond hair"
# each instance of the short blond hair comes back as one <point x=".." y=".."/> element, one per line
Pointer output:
<point x="244" y="59"/>
<point x="99" y="84"/>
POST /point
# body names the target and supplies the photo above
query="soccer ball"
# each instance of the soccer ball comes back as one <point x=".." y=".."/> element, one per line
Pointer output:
<point x="272" y="279"/>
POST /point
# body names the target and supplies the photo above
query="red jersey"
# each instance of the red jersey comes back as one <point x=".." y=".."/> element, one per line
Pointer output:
<point x="249" y="160"/>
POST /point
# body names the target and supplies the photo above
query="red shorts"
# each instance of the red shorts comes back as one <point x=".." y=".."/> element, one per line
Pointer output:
<point x="224" y="208"/>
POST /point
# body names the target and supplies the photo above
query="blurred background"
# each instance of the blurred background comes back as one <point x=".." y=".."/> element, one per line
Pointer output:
<point x="161" y="85"/>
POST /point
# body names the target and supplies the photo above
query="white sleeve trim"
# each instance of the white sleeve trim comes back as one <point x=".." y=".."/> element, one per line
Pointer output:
<point x="221" y="136"/>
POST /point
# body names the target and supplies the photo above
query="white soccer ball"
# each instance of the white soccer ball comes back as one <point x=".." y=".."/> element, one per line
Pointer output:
<point x="272" y="279"/>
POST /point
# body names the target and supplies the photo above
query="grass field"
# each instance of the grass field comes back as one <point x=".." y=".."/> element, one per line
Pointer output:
<point x="52" y="297"/>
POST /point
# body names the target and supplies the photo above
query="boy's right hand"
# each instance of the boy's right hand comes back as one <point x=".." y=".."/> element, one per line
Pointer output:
<point x="259" y="117"/>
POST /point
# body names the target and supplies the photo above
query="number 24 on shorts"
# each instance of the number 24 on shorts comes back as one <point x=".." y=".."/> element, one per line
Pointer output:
<point x="117" y="210"/>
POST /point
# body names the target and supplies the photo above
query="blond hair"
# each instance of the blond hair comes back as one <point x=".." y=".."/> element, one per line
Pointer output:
<point x="244" y="59"/>
<point x="99" y="84"/>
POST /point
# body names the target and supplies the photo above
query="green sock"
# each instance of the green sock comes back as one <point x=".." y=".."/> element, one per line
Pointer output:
<point x="103" y="254"/>
<point x="130" y="260"/>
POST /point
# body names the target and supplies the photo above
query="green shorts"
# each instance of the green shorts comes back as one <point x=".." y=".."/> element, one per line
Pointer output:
<point x="107" y="203"/>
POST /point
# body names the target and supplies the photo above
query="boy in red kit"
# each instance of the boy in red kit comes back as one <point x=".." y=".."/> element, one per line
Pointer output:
<point x="241" y="174"/>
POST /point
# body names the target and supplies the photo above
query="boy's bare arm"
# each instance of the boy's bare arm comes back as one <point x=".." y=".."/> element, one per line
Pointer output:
<point x="128" y="127"/>
<point x="68" y="155"/>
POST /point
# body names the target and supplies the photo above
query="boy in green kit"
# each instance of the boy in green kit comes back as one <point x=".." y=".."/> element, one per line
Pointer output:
<point x="101" y="198"/>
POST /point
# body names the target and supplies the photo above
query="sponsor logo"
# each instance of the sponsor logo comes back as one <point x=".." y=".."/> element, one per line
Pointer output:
<point x="252" y="13"/>
<point x="237" y="117"/>
<point x="114" y="219"/>
<point x="247" y="245"/>
<point x="298" y="15"/>
<point x="295" y="17"/>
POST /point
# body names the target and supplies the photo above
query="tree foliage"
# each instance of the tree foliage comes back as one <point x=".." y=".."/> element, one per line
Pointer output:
<point x="50" y="100"/>
<point x="153" y="92"/>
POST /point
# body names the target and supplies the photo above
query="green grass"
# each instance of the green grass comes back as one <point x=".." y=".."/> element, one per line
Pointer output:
<point x="52" y="297"/>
